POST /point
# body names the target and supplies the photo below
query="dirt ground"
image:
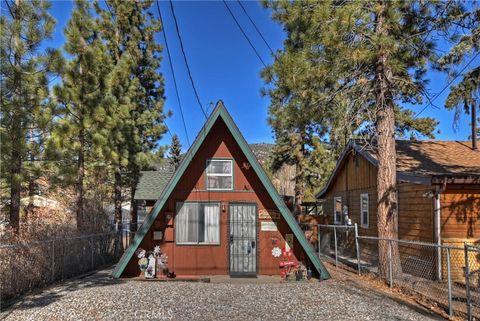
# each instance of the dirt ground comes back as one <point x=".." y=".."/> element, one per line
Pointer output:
<point x="99" y="297"/>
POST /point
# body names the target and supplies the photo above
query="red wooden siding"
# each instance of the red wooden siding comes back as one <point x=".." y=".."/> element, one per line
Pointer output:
<point x="214" y="259"/>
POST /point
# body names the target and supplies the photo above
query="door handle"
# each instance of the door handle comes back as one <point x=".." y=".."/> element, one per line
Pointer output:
<point x="231" y="238"/>
<point x="253" y="244"/>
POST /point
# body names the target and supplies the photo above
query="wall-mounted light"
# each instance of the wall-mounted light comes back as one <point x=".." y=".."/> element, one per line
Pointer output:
<point x="429" y="194"/>
<point x="223" y="207"/>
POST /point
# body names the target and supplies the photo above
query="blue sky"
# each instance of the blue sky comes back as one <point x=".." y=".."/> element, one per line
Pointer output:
<point x="225" y="67"/>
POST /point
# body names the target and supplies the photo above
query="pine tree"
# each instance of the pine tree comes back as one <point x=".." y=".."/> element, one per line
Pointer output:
<point x="175" y="151"/>
<point x="81" y="135"/>
<point x="463" y="97"/>
<point x="114" y="25"/>
<point x="25" y="69"/>
<point x="352" y="64"/>
<point x="135" y="91"/>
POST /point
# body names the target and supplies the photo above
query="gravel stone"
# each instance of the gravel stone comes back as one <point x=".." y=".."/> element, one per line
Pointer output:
<point x="99" y="297"/>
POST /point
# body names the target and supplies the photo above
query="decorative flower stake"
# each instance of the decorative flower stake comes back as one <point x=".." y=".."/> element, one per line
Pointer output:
<point x="276" y="252"/>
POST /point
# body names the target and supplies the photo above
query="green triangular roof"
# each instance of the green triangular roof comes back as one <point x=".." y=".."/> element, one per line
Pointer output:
<point x="221" y="111"/>
<point x="151" y="183"/>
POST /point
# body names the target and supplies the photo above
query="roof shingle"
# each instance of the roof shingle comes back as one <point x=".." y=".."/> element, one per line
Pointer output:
<point x="435" y="157"/>
<point x="151" y="183"/>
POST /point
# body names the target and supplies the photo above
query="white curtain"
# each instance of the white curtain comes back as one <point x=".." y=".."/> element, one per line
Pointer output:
<point x="186" y="222"/>
<point x="189" y="221"/>
<point x="211" y="223"/>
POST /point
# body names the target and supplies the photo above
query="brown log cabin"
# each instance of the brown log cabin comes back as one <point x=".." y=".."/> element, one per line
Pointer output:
<point x="438" y="191"/>
<point x="219" y="214"/>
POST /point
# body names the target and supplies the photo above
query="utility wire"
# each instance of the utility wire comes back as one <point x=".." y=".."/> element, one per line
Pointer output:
<point x="173" y="73"/>
<point x="168" y="129"/>
<point x="449" y="83"/>
<point x="185" y="59"/>
<point x="244" y="34"/>
<point x="256" y="28"/>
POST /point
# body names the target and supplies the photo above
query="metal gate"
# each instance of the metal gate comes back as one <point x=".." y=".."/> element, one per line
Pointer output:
<point x="243" y="239"/>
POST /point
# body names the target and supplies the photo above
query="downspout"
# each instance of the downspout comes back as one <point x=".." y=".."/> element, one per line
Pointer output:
<point x="438" y="239"/>
<point x="437" y="227"/>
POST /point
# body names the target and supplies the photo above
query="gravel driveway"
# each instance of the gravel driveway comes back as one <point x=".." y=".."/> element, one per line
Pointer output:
<point x="98" y="297"/>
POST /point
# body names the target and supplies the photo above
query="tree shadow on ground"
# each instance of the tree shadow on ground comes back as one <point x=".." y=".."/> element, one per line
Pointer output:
<point x="47" y="296"/>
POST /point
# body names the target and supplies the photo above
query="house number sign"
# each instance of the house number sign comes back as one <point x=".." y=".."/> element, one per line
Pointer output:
<point x="268" y="226"/>
<point x="268" y="214"/>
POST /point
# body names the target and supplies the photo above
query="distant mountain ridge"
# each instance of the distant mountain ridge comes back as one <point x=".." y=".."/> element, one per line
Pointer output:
<point x="262" y="151"/>
<point x="282" y="179"/>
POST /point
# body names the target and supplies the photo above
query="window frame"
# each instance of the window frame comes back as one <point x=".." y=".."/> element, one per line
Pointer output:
<point x="231" y="175"/>
<point x="335" y="210"/>
<point x="367" y="224"/>
<point x="177" y="203"/>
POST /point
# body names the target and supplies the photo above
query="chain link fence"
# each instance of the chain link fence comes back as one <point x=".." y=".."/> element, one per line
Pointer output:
<point x="446" y="275"/>
<point x="31" y="265"/>
<point x="472" y="280"/>
<point x="433" y="272"/>
<point x="336" y="242"/>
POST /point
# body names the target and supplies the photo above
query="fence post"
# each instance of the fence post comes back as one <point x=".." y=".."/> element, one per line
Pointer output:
<point x="336" y="253"/>
<point x="390" y="264"/>
<point x="357" y="247"/>
<point x="319" y="240"/>
<point x="449" y="281"/>
<point x="53" y="261"/>
<point x="91" y="253"/>
<point x="63" y="261"/>
<point x="467" y="282"/>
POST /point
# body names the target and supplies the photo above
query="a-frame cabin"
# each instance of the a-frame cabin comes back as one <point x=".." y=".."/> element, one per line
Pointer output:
<point x="219" y="214"/>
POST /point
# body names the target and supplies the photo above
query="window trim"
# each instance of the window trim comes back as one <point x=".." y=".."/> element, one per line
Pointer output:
<point x="219" y="203"/>
<point x="364" y="195"/>
<point x="232" y="175"/>
<point x="335" y="210"/>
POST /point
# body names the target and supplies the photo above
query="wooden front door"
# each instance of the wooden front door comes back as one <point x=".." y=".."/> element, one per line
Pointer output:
<point x="243" y="239"/>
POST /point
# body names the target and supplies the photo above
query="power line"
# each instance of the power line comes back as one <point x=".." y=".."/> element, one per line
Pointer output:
<point x="185" y="59"/>
<point x="256" y="28"/>
<point x="168" y="129"/>
<point x="173" y="73"/>
<point x="244" y="34"/>
<point x="448" y="84"/>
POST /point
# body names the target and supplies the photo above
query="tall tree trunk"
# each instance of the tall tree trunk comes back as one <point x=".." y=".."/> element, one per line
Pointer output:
<point x="16" y="137"/>
<point x="474" y="126"/>
<point x="133" y="211"/>
<point x="300" y="177"/>
<point x="133" y="204"/>
<point x="117" y="195"/>
<point x="80" y="178"/>
<point x="386" y="179"/>
<point x="15" y="173"/>
<point x="31" y="197"/>
<point x="31" y="180"/>
<point x="299" y="193"/>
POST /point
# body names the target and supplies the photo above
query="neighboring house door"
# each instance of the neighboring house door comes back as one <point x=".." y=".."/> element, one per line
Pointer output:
<point x="243" y="239"/>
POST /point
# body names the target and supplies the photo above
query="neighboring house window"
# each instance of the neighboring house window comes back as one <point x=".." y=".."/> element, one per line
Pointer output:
<point x="337" y="210"/>
<point x="219" y="174"/>
<point x="364" y="212"/>
<point x="197" y="223"/>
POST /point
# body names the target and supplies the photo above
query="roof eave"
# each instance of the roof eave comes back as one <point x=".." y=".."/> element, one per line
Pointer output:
<point x="403" y="176"/>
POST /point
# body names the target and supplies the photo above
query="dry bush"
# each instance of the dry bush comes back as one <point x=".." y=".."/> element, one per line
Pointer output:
<point x="48" y="247"/>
